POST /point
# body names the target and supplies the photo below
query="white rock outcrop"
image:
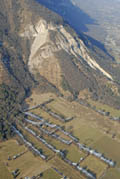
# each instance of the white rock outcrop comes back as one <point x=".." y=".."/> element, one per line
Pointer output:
<point x="43" y="46"/>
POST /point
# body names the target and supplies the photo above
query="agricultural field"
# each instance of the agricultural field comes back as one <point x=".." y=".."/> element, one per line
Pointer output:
<point x="95" y="165"/>
<point x="50" y="174"/>
<point x="61" y="134"/>
<point x="74" y="154"/>
<point x="35" y="129"/>
<point x="60" y="106"/>
<point x="89" y="127"/>
<point x="10" y="148"/>
<point x="36" y="98"/>
<point x="112" y="173"/>
<point x="4" y="172"/>
<point x="45" y="115"/>
<point x="81" y="127"/>
<point x="66" y="169"/>
<point x="98" y="105"/>
<point x="109" y="147"/>
<point x="27" y="164"/>
<point x="38" y="144"/>
<point x="87" y="134"/>
<point x="55" y="143"/>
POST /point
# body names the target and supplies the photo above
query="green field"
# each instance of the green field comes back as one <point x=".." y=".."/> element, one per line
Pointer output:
<point x="74" y="154"/>
<point x="92" y="129"/>
<point x="109" y="147"/>
<point x="10" y="148"/>
<point x="98" y="105"/>
<point x="61" y="134"/>
<point x="37" y="98"/>
<point x="45" y="115"/>
<point x="56" y="143"/>
<point x="66" y="169"/>
<point x="38" y="144"/>
<point x="4" y="172"/>
<point x="112" y="174"/>
<point x="51" y="174"/>
<point x="60" y="106"/>
<point x="87" y="134"/>
<point x="95" y="165"/>
<point x="27" y="164"/>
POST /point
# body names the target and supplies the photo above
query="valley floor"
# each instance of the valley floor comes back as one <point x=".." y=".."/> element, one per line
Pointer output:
<point x="75" y="141"/>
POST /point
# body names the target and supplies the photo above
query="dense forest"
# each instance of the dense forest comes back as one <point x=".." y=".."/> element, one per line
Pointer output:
<point x="9" y="108"/>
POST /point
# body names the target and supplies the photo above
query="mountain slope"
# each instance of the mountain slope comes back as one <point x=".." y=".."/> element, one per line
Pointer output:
<point x="98" y="19"/>
<point x="39" y="50"/>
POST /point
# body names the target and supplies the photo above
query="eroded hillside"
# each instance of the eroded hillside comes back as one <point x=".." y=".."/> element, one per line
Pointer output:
<point x="39" y="50"/>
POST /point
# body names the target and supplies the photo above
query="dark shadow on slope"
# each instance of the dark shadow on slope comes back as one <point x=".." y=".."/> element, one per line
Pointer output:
<point x="76" y="18"/>
<point x="86" y="39"/>
<point x="71" y="13"/>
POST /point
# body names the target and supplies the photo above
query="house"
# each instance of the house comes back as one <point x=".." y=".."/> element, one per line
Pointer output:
<point x="15" y="173"/>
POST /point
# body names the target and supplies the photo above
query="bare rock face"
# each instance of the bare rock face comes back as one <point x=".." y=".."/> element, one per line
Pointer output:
<point x="48" y="39"/>
<point x="46" y="46"/>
